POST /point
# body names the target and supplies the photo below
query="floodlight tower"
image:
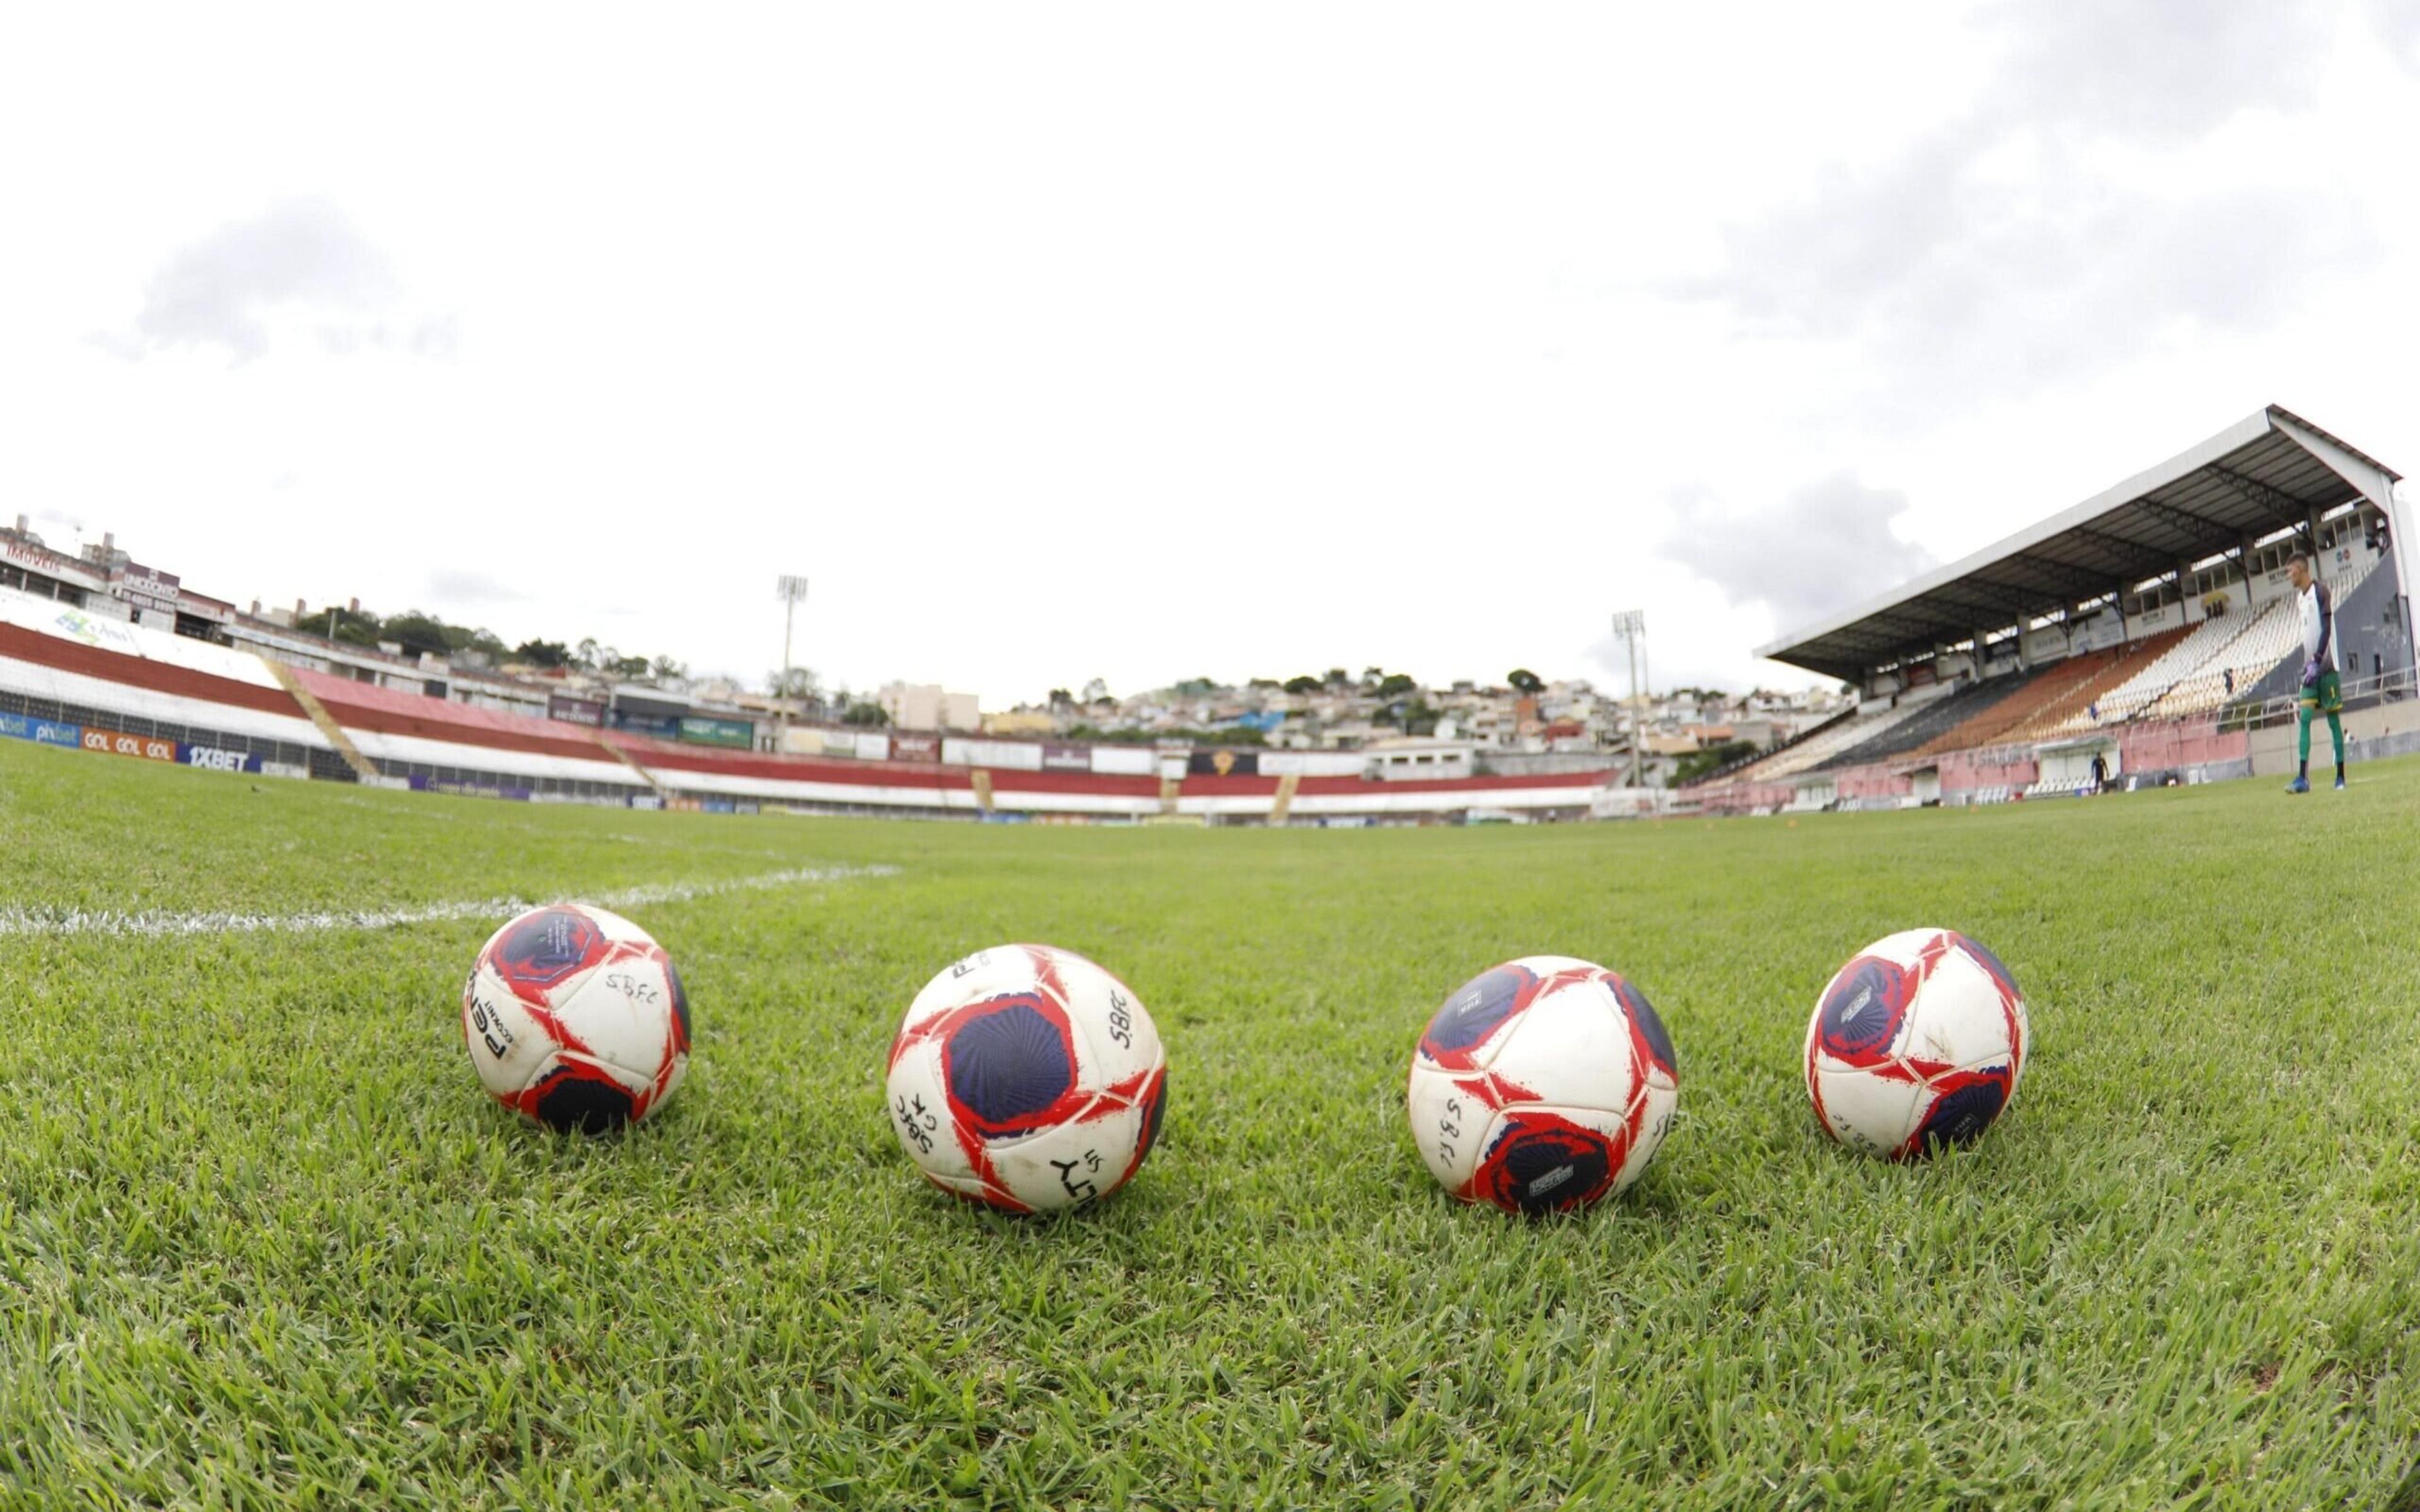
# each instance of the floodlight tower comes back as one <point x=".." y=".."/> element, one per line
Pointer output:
<point x="1630" y="629"/>
<point x="792" y="591"/>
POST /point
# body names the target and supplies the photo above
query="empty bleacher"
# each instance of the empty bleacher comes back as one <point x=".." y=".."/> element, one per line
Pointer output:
<point x="2104" y="670"/>
<point x="1933" y="719"/>
<point x="2043" y="687"/>
<point x="2198" y="648"/>
<point x="1835" y="738"/>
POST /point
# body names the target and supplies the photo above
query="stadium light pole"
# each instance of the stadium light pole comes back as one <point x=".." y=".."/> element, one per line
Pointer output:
<point x="792" y="591"/>
<point x="1630" y="629"/>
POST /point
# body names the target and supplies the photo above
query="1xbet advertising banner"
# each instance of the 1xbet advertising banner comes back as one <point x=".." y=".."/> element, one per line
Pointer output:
<point x="41" y="731"/>
<point x="217" y="758"/>
<point x="1066" y="758"/>
<point x="915" y="747"/>
<point x="575" y="711"/>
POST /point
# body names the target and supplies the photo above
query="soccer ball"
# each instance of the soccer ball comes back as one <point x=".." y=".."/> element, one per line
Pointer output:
<point x="1544" y="1084"/>
<point x="575" y="1019"/>
<point x="1027" y="1078"/>
<point x="1918" y="1042"/>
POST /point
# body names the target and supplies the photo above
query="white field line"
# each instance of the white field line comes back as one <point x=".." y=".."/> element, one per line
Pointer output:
<point x="159" y="923"/>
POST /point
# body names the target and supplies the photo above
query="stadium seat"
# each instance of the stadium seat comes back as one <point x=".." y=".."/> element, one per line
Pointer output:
<point x="1832" y="739"/>
<point x="2181" y="659"/>
<point x="2108" y="668"/>
<point x="1934" y="719"/>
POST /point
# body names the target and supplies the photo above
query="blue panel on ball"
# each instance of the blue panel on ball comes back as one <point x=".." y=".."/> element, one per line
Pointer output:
<point x="1990" y="963"/>
<point x="543" y="947"/>
<point x="1477" y="1007"/>
<point x="680" y="999"/>
<point x="1862" y="1012"/>
<point x="587" y="1102"/>
<point x="1153" y="1109"/>
<point x="1549" y="1169"/>
<point x="1651" y="1025"/>
<point x="1961" y="1117"/>
<point x="1008" y="1063"/>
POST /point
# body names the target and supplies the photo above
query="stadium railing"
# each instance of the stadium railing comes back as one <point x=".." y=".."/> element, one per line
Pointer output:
<point x="2284" y="708"/>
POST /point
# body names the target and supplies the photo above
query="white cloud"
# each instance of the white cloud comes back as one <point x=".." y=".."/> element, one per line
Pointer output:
<point x="301" y="266"/>
<point x="1145" y="344"/>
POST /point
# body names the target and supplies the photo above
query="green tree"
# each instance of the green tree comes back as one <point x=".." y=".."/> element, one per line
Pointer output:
<point x="353" y="627"/>
<point x="549" y="653"/>
<point x="1303" y="685"/>
<point x="418" y="633"/>
<point x="1698" y="763"/>
<point x="865" y="716"/>
<point x="798" y="683"/>
<point x="665" y="670"/>
<point x="1525" y="681"/>
<point x="1395" y="684"/>
<point x="480" y="641"/>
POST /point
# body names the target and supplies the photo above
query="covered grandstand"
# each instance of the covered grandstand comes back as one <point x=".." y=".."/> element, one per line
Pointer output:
<point x="2150" y="627"/>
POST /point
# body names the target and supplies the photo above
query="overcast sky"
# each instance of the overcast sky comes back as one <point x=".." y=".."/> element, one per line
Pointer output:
<point x="1145" y="343"/>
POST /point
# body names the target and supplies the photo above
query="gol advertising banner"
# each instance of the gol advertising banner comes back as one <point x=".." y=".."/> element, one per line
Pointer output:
<point x="1066" y="758"/>
<point x="916" y="747"/>
<point x="41" y="731"/>
<point x="149" y="748"/>
<point x="1224" y="763"/>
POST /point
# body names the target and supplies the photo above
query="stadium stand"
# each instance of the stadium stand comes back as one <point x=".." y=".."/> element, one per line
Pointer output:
<point x="1837" y="737"/>
<point x="63" y="665"/>
<point x="434" y="740"/>
<point x="2212" y="525"/>
<point x="1939" y="717"/>
<point x="2046" y="687"/>
<point x="70" y="677"/>
<point x="2182" y="655"/>
<point x="2106" y="669"/>
<point x="1731" y="769"/>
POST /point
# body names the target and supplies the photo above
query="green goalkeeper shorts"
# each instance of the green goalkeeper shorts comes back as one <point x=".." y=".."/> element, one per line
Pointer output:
<point x="2326" y="695"/>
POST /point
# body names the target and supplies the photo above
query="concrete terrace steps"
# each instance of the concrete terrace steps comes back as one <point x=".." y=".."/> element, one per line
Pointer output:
<point x="632" y="761"/>
<point x="309" y="703"/>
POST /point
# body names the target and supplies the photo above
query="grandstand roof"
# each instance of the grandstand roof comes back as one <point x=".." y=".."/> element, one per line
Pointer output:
<point x="2253" y="477"/>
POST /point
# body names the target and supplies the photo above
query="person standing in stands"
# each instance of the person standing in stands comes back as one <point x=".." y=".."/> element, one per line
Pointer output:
<point x="2323" y="689"/>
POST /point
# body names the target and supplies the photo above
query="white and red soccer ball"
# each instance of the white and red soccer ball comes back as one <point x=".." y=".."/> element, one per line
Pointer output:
<point x="1546" y="1084"/>
<point x="575" y="1019"/>
<point x="1919" y="1041"/>
<point x="1027" y="1078"/>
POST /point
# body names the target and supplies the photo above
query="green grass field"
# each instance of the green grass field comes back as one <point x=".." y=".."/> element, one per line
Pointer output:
<point x="264" y="1242"/>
